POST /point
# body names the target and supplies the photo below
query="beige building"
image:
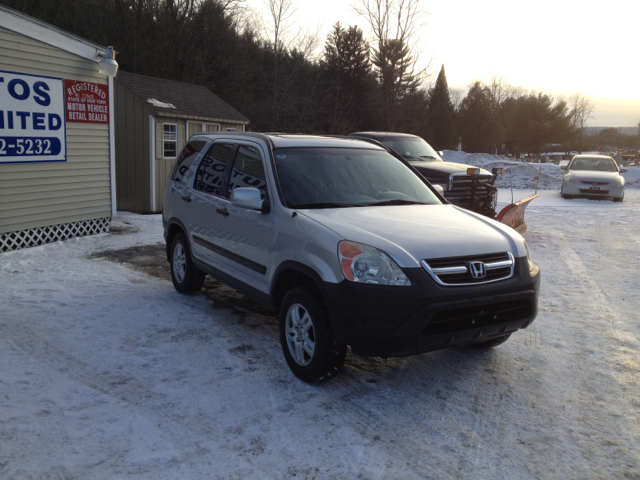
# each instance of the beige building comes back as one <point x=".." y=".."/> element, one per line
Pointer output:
<point x="57" y="157"/>
<point x="153" y="119"/>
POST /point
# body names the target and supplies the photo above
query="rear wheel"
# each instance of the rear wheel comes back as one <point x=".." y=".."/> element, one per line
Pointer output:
<point x="186" y="277"/>
<point x="306" y="338"/>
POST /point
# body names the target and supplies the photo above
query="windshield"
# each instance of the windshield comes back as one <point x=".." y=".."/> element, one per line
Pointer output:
<point x="347" y="177"/>
<point x="412" y="147"/>
<point x="597" y="164"/>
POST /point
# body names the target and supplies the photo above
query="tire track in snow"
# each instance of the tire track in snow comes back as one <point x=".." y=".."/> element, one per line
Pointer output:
<point x="602" y="363"/>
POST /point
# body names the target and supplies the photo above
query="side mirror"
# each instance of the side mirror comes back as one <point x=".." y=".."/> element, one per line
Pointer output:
<point x="563" y="167"/>
<point x="250" y="198"/>
<point x="440" y="152"/>
<point x="623" y="169"/>
<point x="439" y="189"/>
<point x="497" y="170"/>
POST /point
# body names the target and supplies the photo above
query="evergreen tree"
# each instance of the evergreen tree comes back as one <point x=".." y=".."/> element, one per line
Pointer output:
<point x="348" y="80"/>
<point x="534" y="120"/>
<point x="478" y="123"/>
<point x="393" y="64"/>
<point x="441" y="112"/>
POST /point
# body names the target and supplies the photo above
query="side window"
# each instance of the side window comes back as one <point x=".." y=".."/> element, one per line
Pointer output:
<point x="210" y="172"/>
<point x="248" y="171"/>
<point x="169" y="140"/>
<point x="186" y="158"/>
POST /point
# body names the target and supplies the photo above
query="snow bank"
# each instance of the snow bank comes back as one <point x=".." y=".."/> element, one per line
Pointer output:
<point x="525" y="175"/>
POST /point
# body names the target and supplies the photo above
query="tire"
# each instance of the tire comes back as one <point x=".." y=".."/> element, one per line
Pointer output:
<point x="619" y="199"/>
<point x="306" y="338"/>
<point x="186" y="277"/>
<point x="494" y="342"/>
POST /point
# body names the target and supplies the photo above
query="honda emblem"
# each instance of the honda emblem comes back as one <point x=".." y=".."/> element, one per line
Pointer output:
<point x="477" y="270"/>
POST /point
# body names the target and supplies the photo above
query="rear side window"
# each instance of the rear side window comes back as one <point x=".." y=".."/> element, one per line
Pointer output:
<point x="186" y="158"/>
<point x="211" y="170"/>
<point x="248" y="171"/>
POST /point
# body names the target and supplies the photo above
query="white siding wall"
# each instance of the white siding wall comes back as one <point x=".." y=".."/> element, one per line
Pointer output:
<point x="43" y="194"/>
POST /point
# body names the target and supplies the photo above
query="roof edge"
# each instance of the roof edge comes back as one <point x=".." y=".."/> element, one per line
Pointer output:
<point x="24" y="24"/>
<point x="138" y="97"/>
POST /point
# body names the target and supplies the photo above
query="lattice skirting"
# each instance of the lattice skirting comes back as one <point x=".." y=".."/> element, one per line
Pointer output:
<point x="39" y="236"/>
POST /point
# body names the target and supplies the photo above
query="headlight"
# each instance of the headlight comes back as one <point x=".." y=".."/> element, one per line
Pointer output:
<point x="571" y="179"/>
<point x="361" y="263"/>
<point x="619" y="180"/>
<point x="532" y="265"/>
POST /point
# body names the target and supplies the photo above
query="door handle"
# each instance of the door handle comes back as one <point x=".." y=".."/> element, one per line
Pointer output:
<point x="186" y="198"/>
<point x="223" y="211"/>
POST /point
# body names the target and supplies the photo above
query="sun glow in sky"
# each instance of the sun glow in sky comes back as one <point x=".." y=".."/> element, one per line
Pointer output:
<point x="559" y="47"/>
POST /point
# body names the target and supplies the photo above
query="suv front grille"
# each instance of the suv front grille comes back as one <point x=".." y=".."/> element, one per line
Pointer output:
<point x="464" y="318"/>
<point x="470" y="270"/>
<point x="462" y="182"/>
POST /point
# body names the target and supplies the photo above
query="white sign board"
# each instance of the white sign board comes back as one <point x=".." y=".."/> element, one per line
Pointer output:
<point x="32" y="119"/>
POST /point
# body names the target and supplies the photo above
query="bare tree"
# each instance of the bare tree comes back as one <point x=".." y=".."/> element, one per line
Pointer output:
<point x="580" y="110"/>
<point x="456" y="95"/>
<point x="282" y="13"/>
<point x="500" y="89"/>
<point x="290" y="50"/>
<point x="396" y="26"/>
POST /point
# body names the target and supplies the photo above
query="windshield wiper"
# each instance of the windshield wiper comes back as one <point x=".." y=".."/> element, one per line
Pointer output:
<point x="323" y="205"/>
<point x="396" y="202"/>
<point x="429" y="156"/>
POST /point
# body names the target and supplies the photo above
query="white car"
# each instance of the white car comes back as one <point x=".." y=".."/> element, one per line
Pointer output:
<point x="594" y="176"/>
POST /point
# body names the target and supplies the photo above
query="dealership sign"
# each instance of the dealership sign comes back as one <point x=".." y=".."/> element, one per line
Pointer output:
<point x="32" y="119"/>
<point x="86" y="102"/>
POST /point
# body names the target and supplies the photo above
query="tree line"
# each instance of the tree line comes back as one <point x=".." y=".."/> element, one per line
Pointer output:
<point x="274" y="76"/>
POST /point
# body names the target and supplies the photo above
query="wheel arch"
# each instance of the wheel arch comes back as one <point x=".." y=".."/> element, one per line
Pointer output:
<point x="290" y="274"/>
<point x="175" y="226"/>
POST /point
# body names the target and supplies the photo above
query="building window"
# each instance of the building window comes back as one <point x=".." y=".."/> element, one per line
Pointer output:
<point x="232" y="129"/>
<point x="170" y="139"/>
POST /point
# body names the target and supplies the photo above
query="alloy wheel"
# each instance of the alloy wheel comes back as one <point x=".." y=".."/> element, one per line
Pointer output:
<point x="300" y="334"/>
<point x="179" y="262"/>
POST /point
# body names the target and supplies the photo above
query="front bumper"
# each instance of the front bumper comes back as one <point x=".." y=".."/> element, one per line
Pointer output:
<point x="586" y="190"/>
<point x="389" y="321"/>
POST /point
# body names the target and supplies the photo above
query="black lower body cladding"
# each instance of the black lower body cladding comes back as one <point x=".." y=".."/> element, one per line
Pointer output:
<point x="389" y="321"/>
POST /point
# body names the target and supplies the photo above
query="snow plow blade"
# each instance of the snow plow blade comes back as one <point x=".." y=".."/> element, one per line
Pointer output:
<point x="513" y="214"/>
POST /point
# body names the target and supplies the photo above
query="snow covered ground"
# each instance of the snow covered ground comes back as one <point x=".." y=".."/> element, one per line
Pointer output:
<point x="107" y="372"/>
<point x="525" y="175"/>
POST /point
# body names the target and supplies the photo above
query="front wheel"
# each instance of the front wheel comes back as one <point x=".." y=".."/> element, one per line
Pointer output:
<point x="306" y="338"/>
<point x="619" y="199"/>
<point x="186" y="277"/>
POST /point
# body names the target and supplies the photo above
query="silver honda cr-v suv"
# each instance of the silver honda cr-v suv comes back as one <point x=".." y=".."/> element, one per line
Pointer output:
<point x="349" y="244"/>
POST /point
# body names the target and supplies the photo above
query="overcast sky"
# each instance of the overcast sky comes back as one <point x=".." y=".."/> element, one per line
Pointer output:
<point x="560" y="47"/>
